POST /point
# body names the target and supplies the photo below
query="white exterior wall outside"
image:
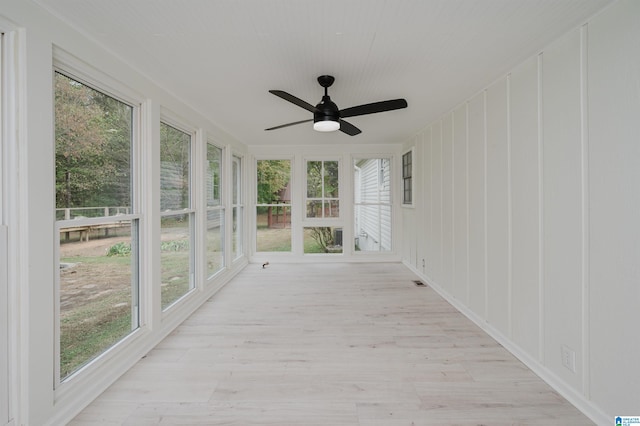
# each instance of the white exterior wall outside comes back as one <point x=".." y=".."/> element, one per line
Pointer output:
<point x="374" y="221"/>
<point x="368" y="218"/>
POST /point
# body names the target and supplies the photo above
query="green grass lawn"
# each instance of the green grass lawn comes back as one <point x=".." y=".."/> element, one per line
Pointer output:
<point x="96" y="294"/>
<point x="92" y="329"/>
<point x="96" y="297"/>
<point x="95" y="308"/>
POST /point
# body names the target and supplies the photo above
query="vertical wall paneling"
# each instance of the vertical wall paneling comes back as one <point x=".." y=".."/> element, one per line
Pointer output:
<point x="532" y="185"/>
<point x="466" y="126"/>
<point x="477" y="177"/>
<point x="541" y="319"/>
<point x="4" y="324"/>
<point x="436" y="192"/>
<point x="497" y="207"/>
<point x="525" y="282"/>
<point x="460" y="210"/>
<point x="584" y="148"/>
<point x="417" y="201"/>
<point x="562" y="205"/>
<point x="614" y="206"/>
<point x="509" y="230"/>
<point x="447" y="202"/>
<point x="427" y="203"/>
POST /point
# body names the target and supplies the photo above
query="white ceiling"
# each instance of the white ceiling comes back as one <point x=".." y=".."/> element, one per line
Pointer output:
<point x="222" y="56"/>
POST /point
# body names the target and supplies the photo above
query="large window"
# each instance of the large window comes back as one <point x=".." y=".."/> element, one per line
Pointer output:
<point x="372" y="207"/>
<point x="237" y="207"/>
<point x="322" y="196"/>
<point x="215" y="211"/>
<point x="177" y="214"/>
<point x="96" y="221"/>
<point x="273" y="209"/>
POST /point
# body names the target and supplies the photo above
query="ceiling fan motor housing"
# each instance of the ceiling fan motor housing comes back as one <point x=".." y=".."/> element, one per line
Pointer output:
<point x="326" y="110"/>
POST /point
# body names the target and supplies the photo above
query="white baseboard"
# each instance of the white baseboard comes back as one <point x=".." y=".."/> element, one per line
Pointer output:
<point x="576" y="398"/>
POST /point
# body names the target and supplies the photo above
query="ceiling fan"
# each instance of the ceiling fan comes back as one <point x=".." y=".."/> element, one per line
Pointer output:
<point x="326" y="115"/>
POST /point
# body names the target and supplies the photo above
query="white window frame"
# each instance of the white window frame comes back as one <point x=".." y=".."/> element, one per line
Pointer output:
<point x="412" y="177"/>
<point x="237" y="202"/>
<point x="173" y="121"/>
<point x="220" y="208"/>
<point x="71" y="67"/>
<point x="289" y="205"/>
<point x="330" y="219"/>
<point x="356" y="203"/>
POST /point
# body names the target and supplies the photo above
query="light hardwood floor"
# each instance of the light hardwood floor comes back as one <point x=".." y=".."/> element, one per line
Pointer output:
<point x="329" y="344"/>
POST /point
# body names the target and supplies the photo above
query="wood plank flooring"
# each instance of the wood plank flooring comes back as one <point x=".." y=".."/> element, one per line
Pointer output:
<point x="329" y="344"/>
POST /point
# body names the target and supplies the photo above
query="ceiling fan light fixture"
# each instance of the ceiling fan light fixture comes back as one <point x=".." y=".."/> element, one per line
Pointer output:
<point x="327" y="117"/>
<point x="326" y="126"/>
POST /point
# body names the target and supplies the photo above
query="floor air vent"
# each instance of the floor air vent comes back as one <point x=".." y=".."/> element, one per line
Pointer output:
<point x="419" y="283"/>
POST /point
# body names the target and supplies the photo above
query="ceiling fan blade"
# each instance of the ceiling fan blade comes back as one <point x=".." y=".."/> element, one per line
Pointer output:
<point x="349" y="128"/>
<point x="374" y="107"/>
<point x="289" y="124"/>
<point x="297" y="101"/>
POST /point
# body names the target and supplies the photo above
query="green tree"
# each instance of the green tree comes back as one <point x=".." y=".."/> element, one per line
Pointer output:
<point x="273" y="177"/>
<point x="93" y="146"/>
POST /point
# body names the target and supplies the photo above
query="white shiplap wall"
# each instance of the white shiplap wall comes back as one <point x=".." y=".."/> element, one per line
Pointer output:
<point x="528" y="207"/>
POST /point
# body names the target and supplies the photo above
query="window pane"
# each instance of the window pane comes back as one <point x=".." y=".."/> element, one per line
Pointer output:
<point x="322" y="239"/>
<point x="373" y="228"/>
<point x="175" y="257"/>
<point x="98" y="293"/>
<point x="331" y="179"/>
<point x="273" y="231"/>
<point x="407" y="194"/>
<point x="273" y="178"/>
<point x="93" y="150"/>
<point x="237" y="232"/>
<point x="236" y="180"/>
<point x="273" y="213"/>
<point x="322" y="189"/>
<point x="406" y="165"/>
<point x="314" y="208"/>
<point x="407" y="191"/>
<point x="214" y="155"/>
<point x="332" y="208"/>
<point x="237" y="213"/>
<point x="215" y="241"/>
<point x="175" y="152"/>
<point x="372" y="213"/>
<point x="314" y="179"/>
<point x="98" y="279"/>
